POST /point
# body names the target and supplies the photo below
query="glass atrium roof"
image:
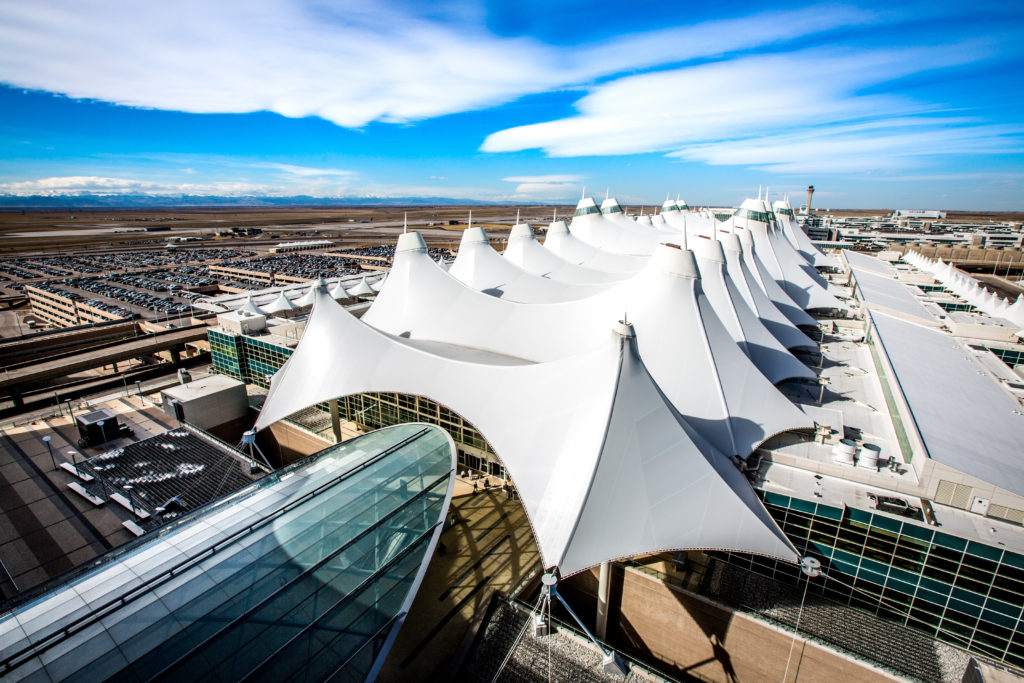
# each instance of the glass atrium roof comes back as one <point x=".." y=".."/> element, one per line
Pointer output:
<point x="305" y="574"/>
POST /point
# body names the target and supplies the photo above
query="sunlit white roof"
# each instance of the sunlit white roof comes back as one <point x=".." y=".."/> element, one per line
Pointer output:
<point x="604" y="466"/>
<point x="564" y="244"/>
<point x="789" y="269"/>
<point x="980" y="432"/>
<point x="280" y="304"/>
<point x="688" y="350"/>
<point x="798" y="238"/>
<point x="527" y="253"/>
<point x="481" y="267"/>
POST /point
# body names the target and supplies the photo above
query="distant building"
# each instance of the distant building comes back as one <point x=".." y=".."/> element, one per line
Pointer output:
<point x="919" y="213"/>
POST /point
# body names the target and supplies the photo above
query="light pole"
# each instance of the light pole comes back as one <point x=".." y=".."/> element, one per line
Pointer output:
<point x="46" y="440"/>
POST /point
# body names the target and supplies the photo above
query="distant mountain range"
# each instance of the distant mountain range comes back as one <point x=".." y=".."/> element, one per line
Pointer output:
<point x="141" y="201"/>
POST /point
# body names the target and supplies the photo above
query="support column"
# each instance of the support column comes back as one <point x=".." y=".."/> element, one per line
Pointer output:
<point x="175" y="355"/>
<point x="335" y="420"/>
<point x="604" y="590"/>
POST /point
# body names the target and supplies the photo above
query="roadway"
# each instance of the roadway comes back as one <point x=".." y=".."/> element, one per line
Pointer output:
<point x="95" y="358"/>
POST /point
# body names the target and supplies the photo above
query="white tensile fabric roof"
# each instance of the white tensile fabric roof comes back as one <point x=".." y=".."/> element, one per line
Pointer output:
<point x="362" y="288"/>
<point x="687" y="349"/>
<point x="611" y="235"/>
<point x="784" y="263"/>
<point x="564" y="244"/>
<point x="309" y="297"/>
<point x="798" y="238"/>
<point x="766" y="352"/>
<point x="250" y="307"/>
<point x="526" y="252"/>
<point x="339" y="292"/>
<point x="605" y="468"/>
<point x="482" y="268"/>
<point x="789" y="308"/>
<point x="781" y="327"/>
<point x="280" y="304"/>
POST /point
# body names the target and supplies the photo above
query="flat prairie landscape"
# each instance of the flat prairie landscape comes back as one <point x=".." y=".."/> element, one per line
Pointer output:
<point x="42" y="231"/>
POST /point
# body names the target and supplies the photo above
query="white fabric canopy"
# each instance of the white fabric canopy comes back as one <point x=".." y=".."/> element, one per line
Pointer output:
<point x="309" y="297"/>
<point x="482" y="268"/>
<point x="790" y="270"/>
<point x="691" y="355"/>
<point x="526" y="252"/>
<point x="339" y="291"/>
<point x="605" y="468"/>
<point x="280" y="304"/>
<point x="567" y="246"/>
<point x="249" y="306"/>
<point x="771" y="288"/>
<point x="609" y="235"/>
<point x="781" y="327"/>
<point x="362" y="288"/>
<point x="764" y="350"/>
<point x="798" y="238"/>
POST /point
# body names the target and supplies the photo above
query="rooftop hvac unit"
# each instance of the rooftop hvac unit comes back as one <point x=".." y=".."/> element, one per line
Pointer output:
<point x="96" y="428"/>
<point x="869" y="456"/>
<point x="844" y="452"/>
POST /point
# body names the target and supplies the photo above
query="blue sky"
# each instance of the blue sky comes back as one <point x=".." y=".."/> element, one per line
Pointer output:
<point x="883" y="105"/>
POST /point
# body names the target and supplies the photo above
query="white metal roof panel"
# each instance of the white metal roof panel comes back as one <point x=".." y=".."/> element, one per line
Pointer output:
<point x="979" y="433"/>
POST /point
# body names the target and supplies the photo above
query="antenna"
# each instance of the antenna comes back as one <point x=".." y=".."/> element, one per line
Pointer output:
<point x="606" y="194"/>
<point x="759" y="193"/>
<point x="584" y="195"/>
<point x="555" y="216"/>
<point x="470" y="219"/>
<point x="684" y="231"/>
<point x="517" y="216"/>
<point x="405" y="223"/>
<point x="642" y="207"/>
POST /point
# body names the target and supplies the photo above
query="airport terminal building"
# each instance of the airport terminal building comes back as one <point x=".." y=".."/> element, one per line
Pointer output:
<point x="921" y="528"/>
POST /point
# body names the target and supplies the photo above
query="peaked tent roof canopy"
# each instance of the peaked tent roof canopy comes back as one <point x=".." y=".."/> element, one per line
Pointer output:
<point x="526" y="252"/>
<point x="280" y="304"/>
<point x="702" y="371"/>
<point x="482" y="268"/>
<point x="604" y="466"/>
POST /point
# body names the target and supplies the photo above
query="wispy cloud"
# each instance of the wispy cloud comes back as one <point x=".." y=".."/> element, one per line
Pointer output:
<point x="71" y="185"/>
<point x="304" y="171"/>
<point x="795" y="111"/>
<point x="363" y="62"/>
<point x="543" y="179"/>
<point x="545" y="187"/>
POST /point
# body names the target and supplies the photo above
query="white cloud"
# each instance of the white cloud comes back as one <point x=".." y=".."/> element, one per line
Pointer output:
<point x="795" y="111"/>
<point x="357" y="63"/>
<point x="304" y="171"/>
<point x="72" y="185"/>
<point x="102" y="185"/>
<point x="838" y="149"/>
<point x="545" y="191"/>
<point x="543" y="179"/>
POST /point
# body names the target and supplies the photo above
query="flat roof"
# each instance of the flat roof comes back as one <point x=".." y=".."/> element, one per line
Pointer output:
<point x="965" y="418"/>
<point x="210" y="384"/>
<point x="885" y="292"/>
<point x="867" y="262"/>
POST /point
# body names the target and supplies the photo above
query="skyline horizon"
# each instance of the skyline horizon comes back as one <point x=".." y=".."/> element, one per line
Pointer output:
<point x="917" y="105"/>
